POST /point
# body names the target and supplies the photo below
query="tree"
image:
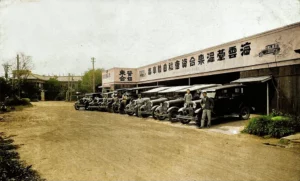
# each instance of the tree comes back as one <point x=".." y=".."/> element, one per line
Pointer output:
<point x="86" y="85"/>
<point x="5" y="88"/>
<point x="25" y="66"/>
<point x="6" y="69"/>
<point x="53" y="89"/>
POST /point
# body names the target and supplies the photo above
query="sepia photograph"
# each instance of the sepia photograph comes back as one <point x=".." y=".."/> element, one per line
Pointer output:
<point x="150" y="90"/>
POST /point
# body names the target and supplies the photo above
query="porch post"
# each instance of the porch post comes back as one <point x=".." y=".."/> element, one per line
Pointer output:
<point x="268" y="111"/>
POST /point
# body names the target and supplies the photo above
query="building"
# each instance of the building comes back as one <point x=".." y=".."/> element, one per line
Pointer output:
<point x="67" y="81"/>
<point x="269" y="61"/>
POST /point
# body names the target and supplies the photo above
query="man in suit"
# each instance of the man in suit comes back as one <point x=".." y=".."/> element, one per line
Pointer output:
<point x="207" y="105"/>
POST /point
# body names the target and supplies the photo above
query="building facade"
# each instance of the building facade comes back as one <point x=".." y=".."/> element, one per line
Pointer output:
<point x="274" y="53"/>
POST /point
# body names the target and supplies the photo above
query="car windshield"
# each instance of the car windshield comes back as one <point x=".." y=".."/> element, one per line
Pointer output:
<point x="209" y="94"/>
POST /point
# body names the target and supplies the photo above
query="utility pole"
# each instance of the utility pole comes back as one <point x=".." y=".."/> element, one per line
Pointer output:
<point x="18" y="75"/>
<point x="93" y="61"/>
<point x="71" y="87"/>
<point x="68" y="91"/>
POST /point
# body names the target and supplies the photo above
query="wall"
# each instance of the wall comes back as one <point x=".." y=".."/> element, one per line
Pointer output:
<point x="119" y="76"/>
<point x="284" y="88"/>
<point x="240" y="55"/>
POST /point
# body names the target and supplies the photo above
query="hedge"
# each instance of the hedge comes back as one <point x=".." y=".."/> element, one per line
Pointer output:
<point x="274" y="126"/>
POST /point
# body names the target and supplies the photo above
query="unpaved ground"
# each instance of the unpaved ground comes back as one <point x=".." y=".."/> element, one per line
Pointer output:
<point x="64" y="144"/>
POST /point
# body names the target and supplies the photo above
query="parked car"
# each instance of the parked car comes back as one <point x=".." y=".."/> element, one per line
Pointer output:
<point x="230" y="100"/>
<point x="85" y="101"/>
<point x="151" y="98"/>
<point x="118" y="100"/>
<point x="169" y="108"/>
<point x="270" y="49"/>
<point x="192" y="112"/>
<point x="95" y="103"/>
<point x="131" y="105"/>
<point x="106" y="104"/>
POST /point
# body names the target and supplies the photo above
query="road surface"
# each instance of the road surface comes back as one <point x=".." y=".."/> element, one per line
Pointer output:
<point x="64" y="144"/>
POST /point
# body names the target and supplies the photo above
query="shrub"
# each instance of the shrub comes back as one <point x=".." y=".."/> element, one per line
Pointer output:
<point x="277" y="126"/>
<point x="18" y="102"/>
<point x="11" y="168"/>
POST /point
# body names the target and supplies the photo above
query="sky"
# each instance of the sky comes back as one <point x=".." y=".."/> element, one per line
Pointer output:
<point x="63" y="35"/>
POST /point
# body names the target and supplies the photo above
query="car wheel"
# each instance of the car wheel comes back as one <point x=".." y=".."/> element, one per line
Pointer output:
<point x="185" y="121"/>
<point x="245" y="113"/>
<point x="144" y="115"/>
<point x="260" y="54"/>
<point x="130" y="113"/>
<point x="153" y="115"/>
<point x="172" y="115"/>
<point x="115" y="109"/>
<point x="76" y="107"/>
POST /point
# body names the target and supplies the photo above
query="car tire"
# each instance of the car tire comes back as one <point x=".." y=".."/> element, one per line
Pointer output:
<point x="76" y="107"/>
<point x="245" y="113"/>
<point x="130" y="114"/>
<point x="172" y="115"/>
<point x="115" y="109"/>
<point x="144" y="115"/>
<point x="153" y="115"/>
<point x="260" y="54"/>
<point x="185" y="121"/>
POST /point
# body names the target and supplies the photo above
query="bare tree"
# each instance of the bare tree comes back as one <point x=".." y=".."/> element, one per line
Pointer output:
<point x="22" y="69"/>
<point x="6" y="69"/>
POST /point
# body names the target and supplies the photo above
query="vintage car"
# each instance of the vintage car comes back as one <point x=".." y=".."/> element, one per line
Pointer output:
<point x="134" y="104"/>
<point x="106" y="104"/>
<point x="154" y="99"/>
<point x="169" y="107"/>
<point x="191" y="112"/>
<point x="229" y="100"/>
<point x="86" y="100"/>
<point x="95" y="103"/>
<point x="270" y="49"/>
<point x="118" y="99"/>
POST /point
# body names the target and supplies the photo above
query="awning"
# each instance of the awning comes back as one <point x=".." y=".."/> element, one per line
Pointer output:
<point x="260" y="79"/>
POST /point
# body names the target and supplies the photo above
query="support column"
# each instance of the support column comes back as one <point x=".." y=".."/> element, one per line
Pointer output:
<point x="268" y="111"/>
<point x="42" y="95"/>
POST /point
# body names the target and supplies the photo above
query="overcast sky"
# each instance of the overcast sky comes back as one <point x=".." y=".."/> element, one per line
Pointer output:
<point x="63" y="35"/>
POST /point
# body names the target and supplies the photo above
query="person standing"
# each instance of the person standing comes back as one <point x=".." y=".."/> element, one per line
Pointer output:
<point x="207" y="105"/>
<point x="188" y="97"/>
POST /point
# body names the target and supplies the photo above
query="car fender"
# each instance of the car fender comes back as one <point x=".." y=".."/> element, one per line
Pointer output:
<point x="181" y="109"/>
<point x="158" y="108"/>
<point x="172" y="109"/>
<point x="143" y="106"/>
<point x="198" y="110"/>
<point x="154" y="107"/>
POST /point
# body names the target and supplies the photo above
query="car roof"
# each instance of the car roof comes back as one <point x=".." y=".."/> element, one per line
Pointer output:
<point x="224" y="87"/>
<point x="90" y="94"/>
<point x="108" y="93"/>
<point x="156" y="90"/>
<point x="145" y="87"/>
<point x="175" y="89"/>
<point x="199" y="87"/>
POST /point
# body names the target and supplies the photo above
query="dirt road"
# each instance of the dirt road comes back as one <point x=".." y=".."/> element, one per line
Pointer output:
<point x="64" y="144"/>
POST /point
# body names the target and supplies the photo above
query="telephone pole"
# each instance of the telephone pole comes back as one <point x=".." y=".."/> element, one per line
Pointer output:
<point x="93" y="61"/>
<point x="18" y="75"/>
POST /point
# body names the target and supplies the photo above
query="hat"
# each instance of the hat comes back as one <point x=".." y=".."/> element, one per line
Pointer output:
<point x="204" y="92"/>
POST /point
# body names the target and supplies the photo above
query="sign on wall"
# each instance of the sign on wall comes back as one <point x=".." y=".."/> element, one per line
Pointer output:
<point x="257" y="50"/>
